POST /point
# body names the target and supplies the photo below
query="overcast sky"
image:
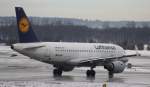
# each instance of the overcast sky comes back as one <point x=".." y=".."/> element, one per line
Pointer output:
<point x="138" y="10"/>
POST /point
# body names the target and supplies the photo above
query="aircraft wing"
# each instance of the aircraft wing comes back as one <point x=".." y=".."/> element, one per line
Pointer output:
<point x="33" y="47"/>
<point x="28" y="46"/>
<point x="96" y="61"/>
<point x="100" y="61"/>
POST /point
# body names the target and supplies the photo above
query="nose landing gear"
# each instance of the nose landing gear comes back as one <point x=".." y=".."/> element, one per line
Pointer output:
<point x="90" y="73"/>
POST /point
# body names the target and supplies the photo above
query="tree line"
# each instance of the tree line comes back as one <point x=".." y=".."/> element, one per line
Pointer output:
<point x="127" y="37"/>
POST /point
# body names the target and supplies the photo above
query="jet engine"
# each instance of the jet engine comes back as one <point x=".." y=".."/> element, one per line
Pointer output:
<point x="115" y="66"/>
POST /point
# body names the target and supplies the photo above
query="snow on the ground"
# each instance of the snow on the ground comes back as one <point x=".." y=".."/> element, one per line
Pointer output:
<point x="137" y="69"/>
<point x="141" y="52"/>
<point x="62" y="84"/>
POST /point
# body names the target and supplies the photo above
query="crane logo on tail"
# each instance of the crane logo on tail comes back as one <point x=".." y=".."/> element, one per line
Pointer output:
<point x="24" y="25"/>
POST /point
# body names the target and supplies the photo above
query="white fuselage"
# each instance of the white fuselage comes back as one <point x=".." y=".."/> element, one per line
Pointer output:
<point x="66" y="52"/>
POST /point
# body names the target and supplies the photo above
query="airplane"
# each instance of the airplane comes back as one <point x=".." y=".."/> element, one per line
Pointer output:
<point x="65" y="56"/>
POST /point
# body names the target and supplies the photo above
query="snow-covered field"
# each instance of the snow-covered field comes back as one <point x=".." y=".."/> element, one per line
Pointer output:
<point x="63" y="84"/>
<point x="20" y="71"/>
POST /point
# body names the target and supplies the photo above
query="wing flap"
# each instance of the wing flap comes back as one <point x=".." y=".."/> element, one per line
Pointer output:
<point x="93" y="61"/>
<point x="87" y="62"/>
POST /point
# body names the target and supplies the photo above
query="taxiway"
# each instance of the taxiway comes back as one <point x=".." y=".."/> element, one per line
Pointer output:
<point x="21" y="71"/>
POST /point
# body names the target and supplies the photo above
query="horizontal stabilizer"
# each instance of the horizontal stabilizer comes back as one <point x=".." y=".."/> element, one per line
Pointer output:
<point x="33" y="47"/>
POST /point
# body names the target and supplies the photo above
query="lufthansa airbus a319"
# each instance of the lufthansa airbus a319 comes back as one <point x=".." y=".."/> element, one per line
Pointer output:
<point x="65" y="56"/>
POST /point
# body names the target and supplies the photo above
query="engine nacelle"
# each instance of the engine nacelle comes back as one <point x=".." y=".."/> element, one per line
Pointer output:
<point x="115" y="67"/>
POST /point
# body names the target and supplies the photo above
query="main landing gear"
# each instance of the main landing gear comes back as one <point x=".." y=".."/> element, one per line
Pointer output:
<point x="90" y="73"/>
<point x="57" y="72"/>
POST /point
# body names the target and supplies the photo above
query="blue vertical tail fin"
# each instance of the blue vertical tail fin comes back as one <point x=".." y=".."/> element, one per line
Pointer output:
<point x="25" y="31"/>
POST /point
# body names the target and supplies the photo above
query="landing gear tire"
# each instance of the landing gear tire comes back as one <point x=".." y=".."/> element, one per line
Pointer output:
<point x="129" y="65"/>
<point x="57" y="72"/>
<point x="90" y="73"/>
<point x="111" y="74"/>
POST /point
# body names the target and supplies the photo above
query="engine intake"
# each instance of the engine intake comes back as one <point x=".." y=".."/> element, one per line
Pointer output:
<point x="115" y="67"/>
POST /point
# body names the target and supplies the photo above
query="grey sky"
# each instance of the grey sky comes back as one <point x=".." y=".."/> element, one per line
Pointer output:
<point x="86" y="9"/>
